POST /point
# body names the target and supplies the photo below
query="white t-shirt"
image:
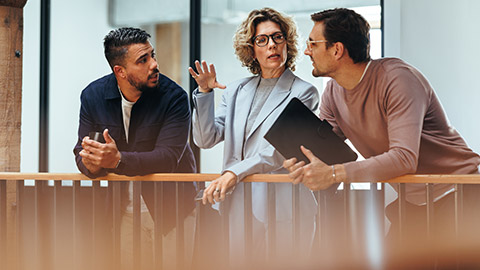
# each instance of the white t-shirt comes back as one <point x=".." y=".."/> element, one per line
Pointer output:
<point x="127" y="111"/>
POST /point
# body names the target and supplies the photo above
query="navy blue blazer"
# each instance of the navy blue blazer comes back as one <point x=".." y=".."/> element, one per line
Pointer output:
<point x="159" y="127"/>
<point x="158" y="134"/>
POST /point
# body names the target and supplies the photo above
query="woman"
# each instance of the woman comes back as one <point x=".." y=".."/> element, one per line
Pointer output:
<point x="266" y="44"/>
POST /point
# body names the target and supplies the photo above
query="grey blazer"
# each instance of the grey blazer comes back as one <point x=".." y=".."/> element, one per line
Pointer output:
<point x="227" y="123"/>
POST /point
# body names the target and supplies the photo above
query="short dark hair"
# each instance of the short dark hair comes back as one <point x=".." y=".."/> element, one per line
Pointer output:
<point x="116" y="42"/>
<point x="348" y="27"/>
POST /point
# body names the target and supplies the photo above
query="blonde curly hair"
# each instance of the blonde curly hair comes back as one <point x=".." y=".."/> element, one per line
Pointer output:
<point x="243" y="39"/>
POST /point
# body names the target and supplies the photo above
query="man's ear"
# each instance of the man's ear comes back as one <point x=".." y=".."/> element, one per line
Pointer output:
<point x="119" y="72"/>
<point x="339" y="50"/>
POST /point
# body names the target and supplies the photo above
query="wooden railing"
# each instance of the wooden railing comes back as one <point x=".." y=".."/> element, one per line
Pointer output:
<point x="65" y="225"/>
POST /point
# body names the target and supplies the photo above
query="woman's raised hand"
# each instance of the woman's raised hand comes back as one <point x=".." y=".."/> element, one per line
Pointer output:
<point x="206" y="79"/>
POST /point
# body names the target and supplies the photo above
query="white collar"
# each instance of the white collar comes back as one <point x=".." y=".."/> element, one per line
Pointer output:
<point x="365" y="71"/>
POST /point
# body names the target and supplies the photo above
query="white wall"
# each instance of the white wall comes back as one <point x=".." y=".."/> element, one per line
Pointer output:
<point x="30" y="85"/>
<point x="436" y="36"/>
<point x="77" y="31"/>
<point x="77" y="58"/>
<point x="441" y="38"/>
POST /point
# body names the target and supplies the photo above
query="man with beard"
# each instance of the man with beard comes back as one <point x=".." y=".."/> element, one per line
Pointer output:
<point x="391" y="114"/>
<point x="144" y="117"/>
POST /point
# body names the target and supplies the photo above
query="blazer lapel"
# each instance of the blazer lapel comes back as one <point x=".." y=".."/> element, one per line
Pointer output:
<point x="114" y="110"/>
<point x="279" y="93"/>
<point x="242" y="108"/>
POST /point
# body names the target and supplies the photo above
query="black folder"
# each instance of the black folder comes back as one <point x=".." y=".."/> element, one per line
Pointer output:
<point x="297" y="125"/>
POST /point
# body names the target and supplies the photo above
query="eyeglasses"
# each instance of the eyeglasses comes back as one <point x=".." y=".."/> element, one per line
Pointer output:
<point x="262" y="40"/>
<point x="309" y="43"/>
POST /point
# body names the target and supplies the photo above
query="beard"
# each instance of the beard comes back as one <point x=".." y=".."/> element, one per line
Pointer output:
<point x="142" y="85"/>
<point x="317" y="73"/>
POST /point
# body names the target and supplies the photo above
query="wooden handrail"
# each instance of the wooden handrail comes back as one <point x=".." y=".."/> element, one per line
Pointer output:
<point x="436" y="179"/>
<point x="157" y="177"/>
<point x="201" y="177"/>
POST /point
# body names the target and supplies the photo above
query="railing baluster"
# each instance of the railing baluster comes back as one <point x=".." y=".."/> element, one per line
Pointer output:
<point x="137" y="221"/>
<point x="430" y="211"/>
<point x="318" y="225"/>
<point x="458" y="209"/>
<point x="96" y="235"/>
<point x="116" y="225"/>
<point x="20" y="223"/>
<point x="248" y="215"/>
<point x="37" y="244"/>
<point x="180" y="237"/>
<point x="374" y="227"/>
<point x="322" y="218"/>
<point x="158" y="234"/>
<point x="225" y="217"/>
<point x="347" y="213"/>
<point x="56" y="191"/>
<point x="401" y="210"/>
<point x="201" y="226"/>
<point x="75" y="204"/>
<point x="296" y="219"/>
<point x="381" y="207"/>
<point x="3" y="223"/>
<point x="272" y="222"/>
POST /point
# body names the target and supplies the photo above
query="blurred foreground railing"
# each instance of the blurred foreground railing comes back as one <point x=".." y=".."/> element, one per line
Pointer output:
<point x="68" y="221"/>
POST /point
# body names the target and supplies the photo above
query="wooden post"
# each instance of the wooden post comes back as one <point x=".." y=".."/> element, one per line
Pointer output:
<point x="11" y="48"/>
<point x="169" y="50"/>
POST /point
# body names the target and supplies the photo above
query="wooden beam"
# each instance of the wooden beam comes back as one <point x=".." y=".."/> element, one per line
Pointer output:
<point x="13" y="3"/>
<point x="11" y="45"/>
<point x="168" y="47"/>
<point x="11" y="35"/>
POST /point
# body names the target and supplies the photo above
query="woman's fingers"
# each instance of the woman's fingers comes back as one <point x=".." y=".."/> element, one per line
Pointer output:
<point x="217" y="190"/>
<point x="212" y="70"/>
<point x="205" y="67"/>
<point x="216" y="193"/>
<point x="211" y="195"/>
<point x="199" y="68"/>
<point x="192" y="72"/>
<point x="207" y="195"/>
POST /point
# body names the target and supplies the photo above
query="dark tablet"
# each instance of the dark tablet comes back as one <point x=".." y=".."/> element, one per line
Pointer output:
<point x="297" y="125"/>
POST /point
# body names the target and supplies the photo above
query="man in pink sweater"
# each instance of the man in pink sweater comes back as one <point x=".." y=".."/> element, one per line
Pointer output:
<point x="386" y="108"/>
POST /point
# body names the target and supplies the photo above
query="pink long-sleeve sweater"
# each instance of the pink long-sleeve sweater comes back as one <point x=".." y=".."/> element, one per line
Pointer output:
<point x="395" y="120"/>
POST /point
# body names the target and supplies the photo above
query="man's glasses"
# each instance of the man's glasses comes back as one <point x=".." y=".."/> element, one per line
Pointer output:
<point x="262" y="40"/>
<point x="309" y="43"/>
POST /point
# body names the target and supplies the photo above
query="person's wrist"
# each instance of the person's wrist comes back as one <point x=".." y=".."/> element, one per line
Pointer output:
<point x="334" y="175"/>
<point x="231" y="181"/>
<point x="231" y="175"/>
<point x="119" y="160"/>
<point x="340" y="173"/>
<point x="204" y="90"/>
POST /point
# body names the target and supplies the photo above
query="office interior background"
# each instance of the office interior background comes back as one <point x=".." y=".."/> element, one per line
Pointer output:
<point x="439" y="37"/>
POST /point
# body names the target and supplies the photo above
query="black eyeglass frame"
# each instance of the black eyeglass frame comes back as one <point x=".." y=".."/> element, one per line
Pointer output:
<point x="276" y="34"/>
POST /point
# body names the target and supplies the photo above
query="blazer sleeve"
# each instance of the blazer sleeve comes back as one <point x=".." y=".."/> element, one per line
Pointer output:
<point x="86" y="124"/>
<point x="170" y="143"/>
<point x="208" y="125"/>
<point x="268" y="159"/>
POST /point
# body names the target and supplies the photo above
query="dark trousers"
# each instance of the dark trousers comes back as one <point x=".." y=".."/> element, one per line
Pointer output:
<point x="447" y="245"/>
